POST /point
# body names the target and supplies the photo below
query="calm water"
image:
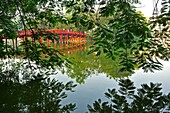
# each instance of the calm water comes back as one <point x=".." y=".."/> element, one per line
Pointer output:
<point x="93" y="76"/>
<point x="96" y="84"/>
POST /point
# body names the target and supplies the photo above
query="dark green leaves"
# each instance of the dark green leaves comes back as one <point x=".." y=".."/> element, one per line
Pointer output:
<point x="24" y="88"/>
<point x="148" y="99"/>
<point x="126" y="32"/>
<point x="97" y="105"/>
<point x="126" y="87"/>
<point x="30" y="15"/>
<point x="115" y="26"/>
<point x="123" y="32"/>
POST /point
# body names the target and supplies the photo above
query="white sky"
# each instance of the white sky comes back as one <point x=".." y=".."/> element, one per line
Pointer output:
<point x="147" y="7"/>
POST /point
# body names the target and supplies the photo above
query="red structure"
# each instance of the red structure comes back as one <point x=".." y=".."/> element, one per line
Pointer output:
<point x="24" y="33"/>
<point x="66" y="37"/>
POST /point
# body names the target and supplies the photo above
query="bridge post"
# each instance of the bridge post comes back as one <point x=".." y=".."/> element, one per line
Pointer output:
<point x="81" y="39"/>
<point x="55" y="42"/>
<point x="71" y="40"/>
<point x="61" y="38"/>
<point x="66" y="41"/>
<point x="41" y="40"/>
<point x="60" y="41"/>
<point x="75" y="41"/>
<point x="33" y="39"/>
<point x="84" y="39"/>
<point x="48" y="42"/>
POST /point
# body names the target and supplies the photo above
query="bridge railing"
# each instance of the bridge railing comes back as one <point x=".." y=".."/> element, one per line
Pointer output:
<point x="64" y="38"/>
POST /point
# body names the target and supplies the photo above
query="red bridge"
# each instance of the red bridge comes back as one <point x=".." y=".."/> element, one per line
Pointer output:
<point x="64" y="37"/>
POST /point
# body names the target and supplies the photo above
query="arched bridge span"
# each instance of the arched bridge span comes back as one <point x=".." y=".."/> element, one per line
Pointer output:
<point x="64" y="38"/>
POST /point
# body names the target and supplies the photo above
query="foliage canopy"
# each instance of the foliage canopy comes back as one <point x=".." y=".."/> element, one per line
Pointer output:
<point x="125" y="32"/>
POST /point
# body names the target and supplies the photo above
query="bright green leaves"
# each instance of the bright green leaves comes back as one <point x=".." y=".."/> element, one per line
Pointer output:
<point x="148" y="98"/>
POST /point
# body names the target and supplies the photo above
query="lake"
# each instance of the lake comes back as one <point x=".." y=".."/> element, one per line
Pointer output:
<point x="97" y="83"/>
<point x="93" y="76"/>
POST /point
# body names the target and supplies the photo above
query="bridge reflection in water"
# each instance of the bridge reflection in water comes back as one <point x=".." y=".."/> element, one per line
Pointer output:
<point x="63" y="40"/>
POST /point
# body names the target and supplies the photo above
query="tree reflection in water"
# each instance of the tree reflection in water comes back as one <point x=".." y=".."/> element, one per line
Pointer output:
<point x="24" y="90"/>
<point x="84" y="65"/>
<point x="148" y="99"/>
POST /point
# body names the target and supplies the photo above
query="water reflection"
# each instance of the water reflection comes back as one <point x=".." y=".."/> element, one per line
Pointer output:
<point x="147" y="99"/>
<point x="31" y="92"/>
<point x="85" y="65"/>
<point x="26" y="91"/>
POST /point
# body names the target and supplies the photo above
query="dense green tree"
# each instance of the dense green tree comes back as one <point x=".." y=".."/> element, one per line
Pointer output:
<point x="125" y="32"/>
<point x="30" y="15"/>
